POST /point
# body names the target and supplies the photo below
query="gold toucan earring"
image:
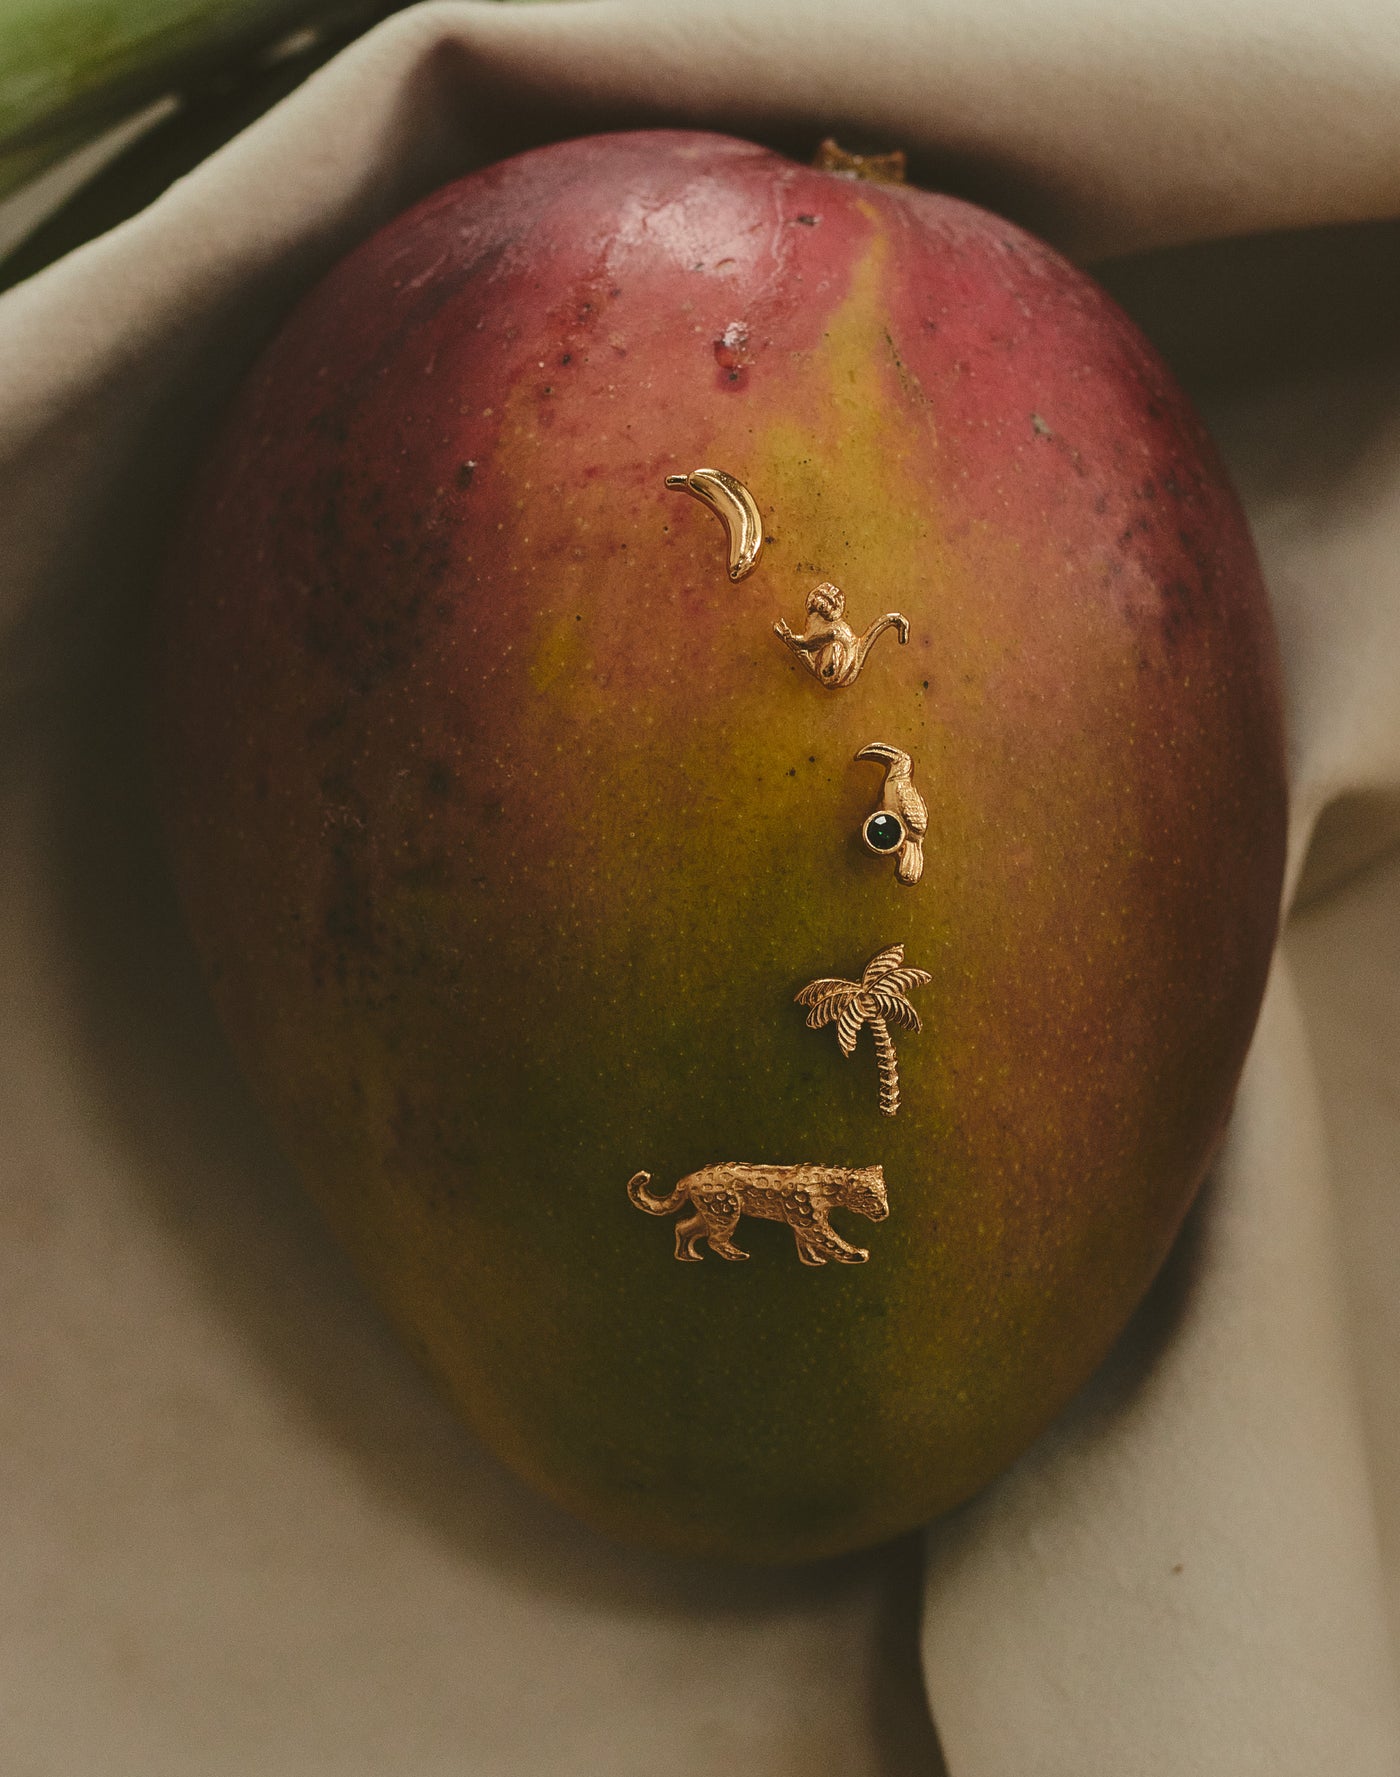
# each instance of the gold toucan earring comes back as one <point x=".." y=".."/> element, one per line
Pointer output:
<point x="899" y="824"/>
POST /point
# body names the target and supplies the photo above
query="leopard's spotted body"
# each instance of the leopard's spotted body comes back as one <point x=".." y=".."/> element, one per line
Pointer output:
<point x="801" y="1196"/>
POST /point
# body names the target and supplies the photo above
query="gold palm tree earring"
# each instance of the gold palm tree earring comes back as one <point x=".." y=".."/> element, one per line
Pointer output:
<point x="877" y="999"/>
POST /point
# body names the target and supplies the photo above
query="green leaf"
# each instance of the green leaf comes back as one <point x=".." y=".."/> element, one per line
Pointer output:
<point x="66" y="62"/>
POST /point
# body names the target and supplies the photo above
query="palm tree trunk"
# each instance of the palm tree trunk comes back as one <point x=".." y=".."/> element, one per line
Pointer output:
<point x="889" y="1066"/>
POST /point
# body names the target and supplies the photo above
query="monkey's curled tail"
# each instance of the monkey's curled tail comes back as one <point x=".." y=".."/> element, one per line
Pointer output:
<point x="655" y="1206"/>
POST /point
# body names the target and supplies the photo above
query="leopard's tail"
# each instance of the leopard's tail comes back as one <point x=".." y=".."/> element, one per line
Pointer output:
<point x="655" y="1206"/>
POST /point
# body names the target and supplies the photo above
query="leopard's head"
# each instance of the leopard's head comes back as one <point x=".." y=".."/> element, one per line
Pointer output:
<point x="867" y="1193"/>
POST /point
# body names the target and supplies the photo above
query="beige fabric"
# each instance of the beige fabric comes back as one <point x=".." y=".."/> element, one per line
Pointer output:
<point x="238" y="1531"/>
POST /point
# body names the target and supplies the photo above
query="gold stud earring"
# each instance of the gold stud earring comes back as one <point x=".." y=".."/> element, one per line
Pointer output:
<point x="828" y="647"/>
<point x="878" y="999"/>
<point x="736" y="508"/>
<point x="899" y="824"/>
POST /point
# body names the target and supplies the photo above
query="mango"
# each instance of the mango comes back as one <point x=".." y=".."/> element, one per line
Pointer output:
<point x="510" y="832"/>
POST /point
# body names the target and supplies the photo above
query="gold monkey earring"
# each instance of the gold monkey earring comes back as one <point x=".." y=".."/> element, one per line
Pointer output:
<point x="828" y="647"/>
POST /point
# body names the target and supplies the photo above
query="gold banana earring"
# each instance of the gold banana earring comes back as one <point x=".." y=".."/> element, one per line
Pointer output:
<point x="734" y="506"/>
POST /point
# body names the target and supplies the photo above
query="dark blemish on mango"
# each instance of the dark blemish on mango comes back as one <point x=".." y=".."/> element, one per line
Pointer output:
<point x="1179" y="610"/>
<point x="731" y="354"/>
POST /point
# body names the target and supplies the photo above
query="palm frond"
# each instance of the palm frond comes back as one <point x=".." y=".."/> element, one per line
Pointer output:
<point x="881" y="964"/>
<point x="848" y="1022"/>
<point x="895" y="1008"/>
<point x="903" y="980"/>
<point x="828" y="987"/>
<point x="824" y="1011"/>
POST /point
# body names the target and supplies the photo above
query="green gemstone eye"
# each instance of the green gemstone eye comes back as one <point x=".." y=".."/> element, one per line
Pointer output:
<point x="883" y="832"/>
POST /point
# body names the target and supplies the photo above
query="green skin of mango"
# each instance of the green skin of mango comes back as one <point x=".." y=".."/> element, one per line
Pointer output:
<point x="508" y="830"/>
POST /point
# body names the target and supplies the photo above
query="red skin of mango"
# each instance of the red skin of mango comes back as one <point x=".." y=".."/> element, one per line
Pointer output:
<point x="508" y="830"/>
